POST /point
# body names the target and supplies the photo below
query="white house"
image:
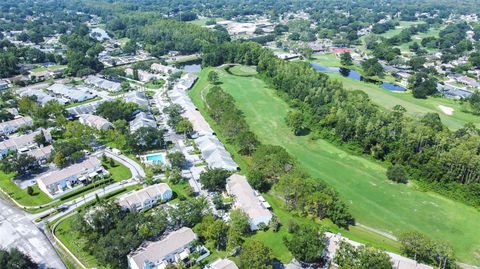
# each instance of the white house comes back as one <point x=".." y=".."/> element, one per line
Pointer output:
<point x="174" y="248"/>
<point x="142" y="119"/>
<point x="214" y="153"/>
<point x="94" y="121"/>
<point x="11" y="126"/>
<point x="57" y="182"/>
<point x="146" y="197"/>
<point x="222" y="264"/>
<point x="103" y="84"/>
<point x="247" y="199"/>
<point x="22" y="143"/>
<point x="164" y="69"/>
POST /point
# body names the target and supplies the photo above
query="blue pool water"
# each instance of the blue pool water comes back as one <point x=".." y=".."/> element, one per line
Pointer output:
<point x="155" y="158"/>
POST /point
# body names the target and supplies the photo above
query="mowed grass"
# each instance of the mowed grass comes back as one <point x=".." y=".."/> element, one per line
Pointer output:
<point x="388" y="99"/>
<point x="415" y="107"/>
<point x="374" y="201"/>
<point x="21" y="195"/>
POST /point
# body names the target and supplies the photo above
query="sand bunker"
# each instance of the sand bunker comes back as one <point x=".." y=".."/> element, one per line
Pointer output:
<point x="445" y="109"/>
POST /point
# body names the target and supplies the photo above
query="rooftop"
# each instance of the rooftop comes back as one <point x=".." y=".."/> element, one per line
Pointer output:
<point x="72" y="170"/>
<point x="245" y="197"/>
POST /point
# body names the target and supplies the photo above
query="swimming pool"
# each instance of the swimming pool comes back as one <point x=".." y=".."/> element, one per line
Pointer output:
<point x="158" y="158"/>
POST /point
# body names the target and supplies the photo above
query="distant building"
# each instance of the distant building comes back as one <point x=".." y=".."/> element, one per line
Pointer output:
<point x="137" y="97"/>
<point x="339" y="51"/>
<point x="73" y="93"/>
<point x="88" y="108"/>
<point x="247" y="200"/>
<point x="214" y="153"/>
<point x="11" y="126"/>
<point x="146" y="197"/>
<point x="142" y="119"/>
<point x="164" y="69"/>
<point x="4" y="85"/>
<point x="59" y="181"/>
<point x="186" y="82"/>
<point x="174" y="248"/>
<point x="103" y="83"/>
<point x="222" y="264"/>
<point x="94" y="121"/>
<point x="22" y="143"/>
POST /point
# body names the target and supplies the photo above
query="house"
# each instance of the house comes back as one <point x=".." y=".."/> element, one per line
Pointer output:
<point x="22" y="143"/>
<point x="94" y="121"/>
<point x="88" y="108"/>
<point x="59" y="181"/>
<point x="399" y="262"/>
<point x="11" y="126"/>
<point x="164" y="69"/>
<point x="41" y="154"/>
<point x="247" y="199"/>
<point x="143" y="75"/>
<point x="214" y="153"/>
<point x="470" y="82"/>
<point x="222" y="264"/>
<point x="174" y="248"/>
<point x="4" y="85"/>
<point x="73" y="93"/>
<point x="186" y="82"/>
<point x="43" y="98"/>
<point x="137" y="97"/>
<point x="146" y="197"/>
<point x="142" y="119"/>
<point x="339" y="51"/>
<point x="103" y="83"/>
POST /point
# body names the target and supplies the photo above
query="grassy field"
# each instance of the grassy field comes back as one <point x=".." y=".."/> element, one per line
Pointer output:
<point x="388" y="99"/>
<point x="241" y="70"/>
<point x="119" y="172"/>
<point x="361" y="182"/>
<point x="20" y="195"/>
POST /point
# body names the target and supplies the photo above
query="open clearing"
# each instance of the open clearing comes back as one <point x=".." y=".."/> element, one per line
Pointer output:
<point x="373" y="200"/>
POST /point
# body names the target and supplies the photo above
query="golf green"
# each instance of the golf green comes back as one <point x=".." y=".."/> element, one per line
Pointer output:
<point x="373" y="200"/>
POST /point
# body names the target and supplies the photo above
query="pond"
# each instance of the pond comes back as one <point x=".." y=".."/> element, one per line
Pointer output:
<point x="352" y="74"/>
<point x="191" y="66"/>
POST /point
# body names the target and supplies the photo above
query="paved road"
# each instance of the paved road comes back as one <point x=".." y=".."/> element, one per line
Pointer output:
<point x="17" y="230"/>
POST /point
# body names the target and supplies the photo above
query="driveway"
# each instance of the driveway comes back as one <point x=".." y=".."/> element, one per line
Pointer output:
<point x="17" y="230"/>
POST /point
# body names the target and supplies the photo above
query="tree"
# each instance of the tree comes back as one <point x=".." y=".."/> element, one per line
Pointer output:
<point x="348" y="256"/>
<point x="145" y="138"/>
<point x="117" y="110"/>
<point x="239" y="222"/>
<point x="307" y="244"/>
<point x="214" y="179"/>
<point x="346" y="59"/>
<point x="306" y="52"/>
<point x="422" y="85"/>
<point x="294" y="120"/>
<point x="416" y="63"/>
<point x="422" y="249"/>
<point x="255" y="255"/>
<point x="372" y="67"/>
<point x="21" y="164"/>
<point x="184" y="126"/>
<point x="30" y="190"/>
<point x="130" y="47"/>
<point x="176" y="159"/>
<point x="15" y="259"/>
<point x="213" y="77"/>
<point x="397" y="173"/>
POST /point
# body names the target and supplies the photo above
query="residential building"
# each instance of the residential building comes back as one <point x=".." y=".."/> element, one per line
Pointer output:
<point x="20" y="143"/>
<point x="59" y="181"/>
<point x="142" y="119"/>
<point x="222" y="264"/>
<point x="248" y="200"/>
<point x="88" y="108"/>
<point x="103" y="84"/>
<point x="4" y="85"/>
<point x="174" y="248"/>
<point x="137" y="97"/>
<point x="11" y="126"/>
<point x="42" y="154"/>
<point x="186" y="81"/>
<point x="73" y="93"/>
<point x="94" y="121"/>
<point x="214" y="153"/>
<point x="164" y="69"/>
<point x="146" y="197"/>
<point x="43" y="98"/>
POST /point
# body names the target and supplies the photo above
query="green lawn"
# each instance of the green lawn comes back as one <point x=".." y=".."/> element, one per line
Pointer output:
<point x="241" y="70"/>
<point x="21" y="196"/>
<point x="415" y="107"/>
<point x="398" y="29"/>
<point x="202" y="22"/>
<point x="374" y="201"/>
<point x="119" y="172"/>
<point x="72" y="240"/>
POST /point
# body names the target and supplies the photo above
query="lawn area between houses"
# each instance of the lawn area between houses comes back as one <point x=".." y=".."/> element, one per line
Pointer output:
<point x="373" y="200"/>
<point x="21" y="195"/>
